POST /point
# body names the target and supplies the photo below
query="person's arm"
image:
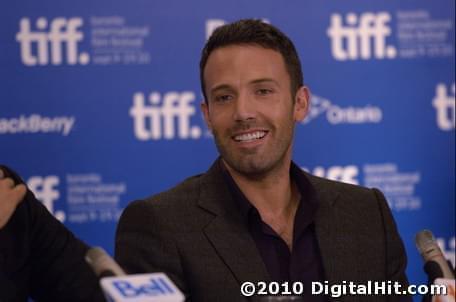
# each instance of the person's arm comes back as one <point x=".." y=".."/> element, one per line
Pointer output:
<point x="41" y="258"/>
<point x="11" y="194"/>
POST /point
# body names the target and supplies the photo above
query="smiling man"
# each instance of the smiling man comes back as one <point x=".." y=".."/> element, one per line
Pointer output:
<point x="254" y="215"/>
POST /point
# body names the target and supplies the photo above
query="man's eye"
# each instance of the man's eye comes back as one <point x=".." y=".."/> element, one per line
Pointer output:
<point x="223" y="98"/>
<point x="264" y="91"/>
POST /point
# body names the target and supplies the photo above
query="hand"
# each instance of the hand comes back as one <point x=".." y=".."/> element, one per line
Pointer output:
<point x="10" y="196"/>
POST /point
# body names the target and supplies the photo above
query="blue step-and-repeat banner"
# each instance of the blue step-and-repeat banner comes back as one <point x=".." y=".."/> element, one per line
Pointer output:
<point x="99" y="102"/>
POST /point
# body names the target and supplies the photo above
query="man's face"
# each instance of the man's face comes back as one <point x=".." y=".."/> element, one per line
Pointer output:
<point x="250" y="109"/>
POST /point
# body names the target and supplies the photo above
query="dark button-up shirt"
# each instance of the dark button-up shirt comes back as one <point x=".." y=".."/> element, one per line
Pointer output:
<point x="303" y="263"/>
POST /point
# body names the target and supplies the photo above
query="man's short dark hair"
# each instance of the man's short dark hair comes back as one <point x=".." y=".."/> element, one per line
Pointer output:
<point x="254" y="32"/>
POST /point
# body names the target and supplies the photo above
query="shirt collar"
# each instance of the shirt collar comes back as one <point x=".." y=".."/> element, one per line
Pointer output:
<point x="308" y="203"/>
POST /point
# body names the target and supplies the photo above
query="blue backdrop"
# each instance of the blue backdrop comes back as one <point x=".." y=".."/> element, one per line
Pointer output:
<point x="99" y="102"/>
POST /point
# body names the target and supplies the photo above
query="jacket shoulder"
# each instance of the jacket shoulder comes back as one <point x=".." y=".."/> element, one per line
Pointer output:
<point x="171" y="208"/>
<point x="185" y="191"/>
<point x="351" y="197"/>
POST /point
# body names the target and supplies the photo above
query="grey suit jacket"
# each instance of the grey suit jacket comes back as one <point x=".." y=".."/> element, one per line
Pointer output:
<point x="194" y="233"/>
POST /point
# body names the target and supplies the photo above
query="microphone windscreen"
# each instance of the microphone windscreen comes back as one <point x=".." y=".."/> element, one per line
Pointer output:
<point x="102" y="264"/>
<point x="423" y="240"/>
<point x="433" y="270"/>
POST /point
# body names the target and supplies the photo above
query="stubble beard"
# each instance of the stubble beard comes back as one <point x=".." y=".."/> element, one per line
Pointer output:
<point x="253" y="163"/>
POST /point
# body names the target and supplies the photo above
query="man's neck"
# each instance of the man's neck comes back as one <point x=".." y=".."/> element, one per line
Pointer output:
<point x="272" y="194"/>
<point x="275" y="197"/>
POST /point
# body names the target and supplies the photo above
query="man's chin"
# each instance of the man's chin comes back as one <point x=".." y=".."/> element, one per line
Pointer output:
<point x="253" y="166"/>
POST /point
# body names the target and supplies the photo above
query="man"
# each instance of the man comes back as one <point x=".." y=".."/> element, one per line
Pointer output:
<point x="255" y="215"/>
<point x="39" y="257"/>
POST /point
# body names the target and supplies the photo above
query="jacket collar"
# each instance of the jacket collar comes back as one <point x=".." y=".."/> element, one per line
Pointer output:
<point x="228" y="232"/>
<point x="215" y="194"/>
<point x="231" y="239"/>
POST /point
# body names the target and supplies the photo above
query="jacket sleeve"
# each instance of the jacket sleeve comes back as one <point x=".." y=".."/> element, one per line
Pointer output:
<point x="41" y="258"/>
<point x="145" y="245"/>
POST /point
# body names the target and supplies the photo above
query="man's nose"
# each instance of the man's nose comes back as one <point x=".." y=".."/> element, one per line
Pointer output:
<point x="244" y="108"/>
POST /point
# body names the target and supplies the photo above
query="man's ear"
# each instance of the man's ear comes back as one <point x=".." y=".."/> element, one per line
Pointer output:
<point x="205" y="109"/>
<point x="301" y="104"/>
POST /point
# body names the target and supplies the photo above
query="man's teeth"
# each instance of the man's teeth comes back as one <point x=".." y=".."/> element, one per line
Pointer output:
<point x="250" y="136"/>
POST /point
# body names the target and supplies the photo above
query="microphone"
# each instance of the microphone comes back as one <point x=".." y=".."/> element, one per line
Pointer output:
<point x="436" y="266"/>
<point x="119" y="287"/>
<point x="102" y="264"/>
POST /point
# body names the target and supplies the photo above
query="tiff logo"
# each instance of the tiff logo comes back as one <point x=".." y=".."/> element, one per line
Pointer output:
<point x="347" y="174"/>
<point x="444" y="105"/>
<point x="213" y="24"/>
<point x="361" y="37"/>
<point x="158" y="119"/>
<point x="50" y="40"/>
<point x="45" y="189"/>
<point x="448" y="248"/>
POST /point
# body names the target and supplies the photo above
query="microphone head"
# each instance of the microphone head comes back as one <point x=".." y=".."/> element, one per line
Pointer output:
<point x="424" y="240"/>
<point x="431" y="252"/>
<point x="102" y="264"/>
<point x="433" y="270"/>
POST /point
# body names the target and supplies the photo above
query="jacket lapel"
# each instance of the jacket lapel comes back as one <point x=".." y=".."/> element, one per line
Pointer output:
<point x="227" y="232"/>
<point x="334" y="234"/>
<point x="325" y="233"/>
<point x="231" y="239"/>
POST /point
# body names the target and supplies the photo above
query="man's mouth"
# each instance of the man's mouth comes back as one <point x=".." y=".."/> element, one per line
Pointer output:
<point x="251" y="136"/>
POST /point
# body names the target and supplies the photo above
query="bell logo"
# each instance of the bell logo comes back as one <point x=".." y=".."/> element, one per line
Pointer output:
<point x="361" y="37"/>
<point x="158" y="120"/>
<point x="45" y="190"/>
<point x="50" y="41"/>
<point x="444" y="105"/>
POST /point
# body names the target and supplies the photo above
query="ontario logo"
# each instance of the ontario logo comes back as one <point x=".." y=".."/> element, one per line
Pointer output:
<point x="54" y="42"/>
<point x="342" y="115"/>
